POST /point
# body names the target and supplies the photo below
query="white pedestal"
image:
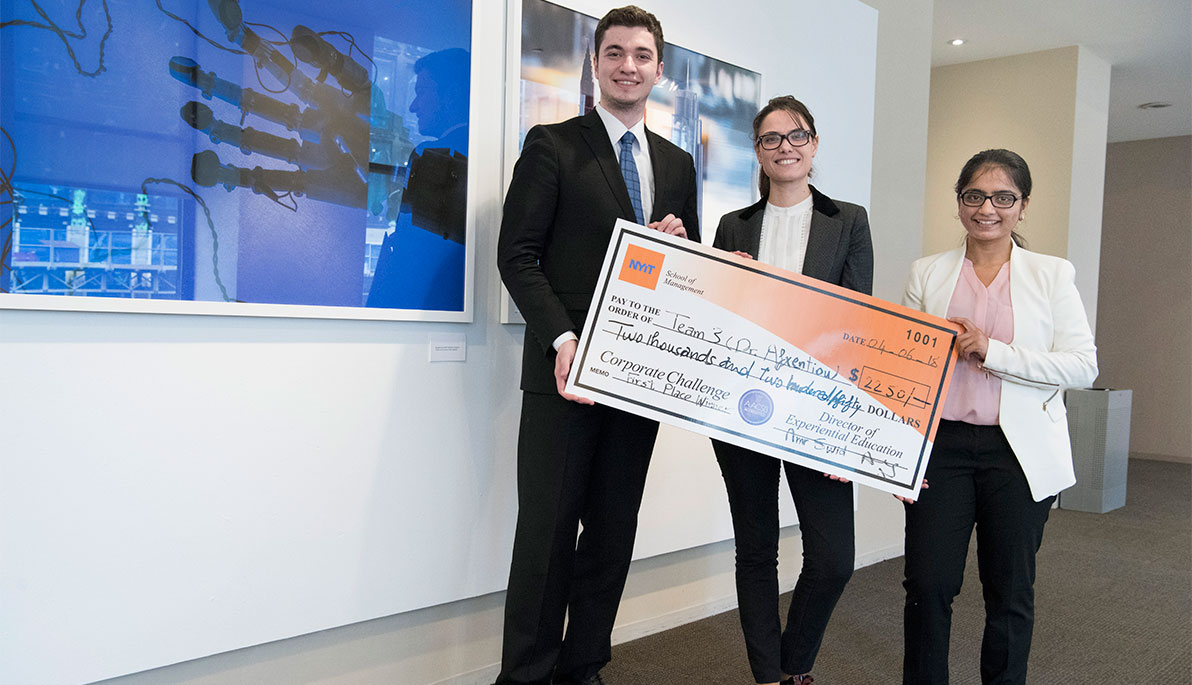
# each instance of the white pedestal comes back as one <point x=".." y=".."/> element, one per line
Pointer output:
<point x="1099" y="427"/>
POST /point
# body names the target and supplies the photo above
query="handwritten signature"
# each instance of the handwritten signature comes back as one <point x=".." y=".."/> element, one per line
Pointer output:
<point x="882" y="465"/>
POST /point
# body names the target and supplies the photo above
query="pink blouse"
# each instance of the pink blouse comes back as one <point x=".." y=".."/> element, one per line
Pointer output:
<point x="975" y="395"/>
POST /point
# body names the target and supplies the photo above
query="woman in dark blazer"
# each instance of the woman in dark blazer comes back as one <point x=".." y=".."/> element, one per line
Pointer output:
<point x="796" y="227"/>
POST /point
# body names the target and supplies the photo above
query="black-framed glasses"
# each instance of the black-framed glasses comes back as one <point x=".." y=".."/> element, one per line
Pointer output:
<point x="772" y="141"/>
<point x="975" y="198"/>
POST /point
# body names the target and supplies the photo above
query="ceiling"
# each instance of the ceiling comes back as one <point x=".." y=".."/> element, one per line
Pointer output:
<point x="1147" y="42"/>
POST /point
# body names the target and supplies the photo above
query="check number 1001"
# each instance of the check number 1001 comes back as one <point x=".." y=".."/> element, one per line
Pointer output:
<point x="920" y="338"/>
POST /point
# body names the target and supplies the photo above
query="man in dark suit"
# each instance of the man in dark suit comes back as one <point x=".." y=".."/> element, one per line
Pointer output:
<point x="580" y="462"/>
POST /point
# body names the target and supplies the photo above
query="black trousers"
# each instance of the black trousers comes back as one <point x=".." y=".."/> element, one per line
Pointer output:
<point x="974" y="479"/>
<point x="825" y="509"/>
<point x="575" y="464"/>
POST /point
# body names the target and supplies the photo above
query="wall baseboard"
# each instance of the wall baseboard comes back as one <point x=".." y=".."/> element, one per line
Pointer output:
<point x="480" y="676"/>
<point x="879" y="555"/>
<point x="673" y="619"/>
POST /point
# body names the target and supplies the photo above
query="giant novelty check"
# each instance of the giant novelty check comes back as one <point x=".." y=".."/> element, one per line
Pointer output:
<point x="770" y="360"/>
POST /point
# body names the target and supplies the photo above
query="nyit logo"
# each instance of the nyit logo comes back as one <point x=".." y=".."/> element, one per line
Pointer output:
<point x="641" y="267"/>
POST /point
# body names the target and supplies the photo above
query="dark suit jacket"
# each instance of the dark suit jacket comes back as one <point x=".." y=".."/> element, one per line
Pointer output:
<point x="565" y="196"/>
<point x="839" y="249"/>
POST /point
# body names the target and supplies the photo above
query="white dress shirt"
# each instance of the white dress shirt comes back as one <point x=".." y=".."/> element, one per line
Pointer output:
<point x="784" y="235"/>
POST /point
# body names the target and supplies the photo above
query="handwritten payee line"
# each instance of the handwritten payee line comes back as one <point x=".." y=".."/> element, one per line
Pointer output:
<point x="835" y="378"/>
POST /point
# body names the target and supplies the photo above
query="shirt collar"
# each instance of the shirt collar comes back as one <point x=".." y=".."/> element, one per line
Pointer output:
<point x="616" y="129"/>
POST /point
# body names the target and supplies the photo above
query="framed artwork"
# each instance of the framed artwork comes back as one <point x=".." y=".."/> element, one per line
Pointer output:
<point x="702" y="104"/>
<point x="248" y="157"/>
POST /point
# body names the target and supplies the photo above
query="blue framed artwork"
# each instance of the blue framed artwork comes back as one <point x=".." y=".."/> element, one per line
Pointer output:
<point x="236" y="157"/>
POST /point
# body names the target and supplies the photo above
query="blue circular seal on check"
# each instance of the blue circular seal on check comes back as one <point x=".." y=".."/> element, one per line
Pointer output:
<point x="755" y="407"/>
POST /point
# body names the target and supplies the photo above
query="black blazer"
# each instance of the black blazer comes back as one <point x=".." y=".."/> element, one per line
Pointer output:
<point x="567" y="192"/>
<point x="839" y="248"/>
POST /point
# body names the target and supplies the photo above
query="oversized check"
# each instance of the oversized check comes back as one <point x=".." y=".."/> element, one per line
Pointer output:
<point x="747" y="353"/>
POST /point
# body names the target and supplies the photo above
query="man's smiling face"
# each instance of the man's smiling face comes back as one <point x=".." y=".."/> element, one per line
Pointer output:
<point x="627" y="67"/>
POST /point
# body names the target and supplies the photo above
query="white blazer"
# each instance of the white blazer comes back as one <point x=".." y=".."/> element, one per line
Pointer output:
<point x="1052" y="349"/>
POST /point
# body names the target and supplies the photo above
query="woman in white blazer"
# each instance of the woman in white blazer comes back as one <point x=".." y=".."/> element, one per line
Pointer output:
<point x="1001" y="452"/>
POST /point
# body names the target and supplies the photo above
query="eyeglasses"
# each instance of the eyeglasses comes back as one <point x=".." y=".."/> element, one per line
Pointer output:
<point x="974" y="198"/>
<point x="772" y="141"/>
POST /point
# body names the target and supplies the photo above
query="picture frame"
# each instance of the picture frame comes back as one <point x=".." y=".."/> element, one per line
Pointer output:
<point x="267" y="161"/>
<point x="702" y="104"/>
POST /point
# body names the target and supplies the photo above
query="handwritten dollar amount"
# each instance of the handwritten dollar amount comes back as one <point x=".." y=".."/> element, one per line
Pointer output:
<point x="888" y="386"/>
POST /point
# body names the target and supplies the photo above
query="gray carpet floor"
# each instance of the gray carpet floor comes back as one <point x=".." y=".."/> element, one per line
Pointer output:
<point x="1113" y="605"/>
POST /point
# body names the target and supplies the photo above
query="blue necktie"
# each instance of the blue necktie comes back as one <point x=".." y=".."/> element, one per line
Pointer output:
<point x="629" y="171"/>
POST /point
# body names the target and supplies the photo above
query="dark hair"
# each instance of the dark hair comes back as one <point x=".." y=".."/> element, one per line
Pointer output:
<point x="784" y="103"/>
<point x="1011" y="163"/>
<point x="449" y="69"/>
<point x="630" y="15"/>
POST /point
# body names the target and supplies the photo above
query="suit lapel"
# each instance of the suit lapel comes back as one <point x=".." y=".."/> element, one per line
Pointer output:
<point x="822" y="240"/>
<point x="596" y="136"/>
<point x="938" y="294"/>
<point x="753" y="229"/>
<point x="662" y="180"/>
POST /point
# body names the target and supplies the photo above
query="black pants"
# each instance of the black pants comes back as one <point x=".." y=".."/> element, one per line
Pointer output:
<point x="575" y="464"/>
<point x="825" y="509"/>
<point x="973" y="478"/>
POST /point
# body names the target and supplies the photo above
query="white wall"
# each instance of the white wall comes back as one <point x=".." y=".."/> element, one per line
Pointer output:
<point x="177" y="486"/>
<point x="899" y="140"/>
<point x="1090" y="135"/>
<point x="350" y="453"/>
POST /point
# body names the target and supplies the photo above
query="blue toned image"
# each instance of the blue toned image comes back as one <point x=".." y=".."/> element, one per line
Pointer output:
<point x="77" y="241"/>
<point x="299" y="153"/>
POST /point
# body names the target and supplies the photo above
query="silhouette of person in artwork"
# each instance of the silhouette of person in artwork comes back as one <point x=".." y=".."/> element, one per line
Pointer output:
<point x="421" y="263"/>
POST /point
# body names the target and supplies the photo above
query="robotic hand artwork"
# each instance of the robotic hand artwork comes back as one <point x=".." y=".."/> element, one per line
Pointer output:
<point x="336" y="145"/>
